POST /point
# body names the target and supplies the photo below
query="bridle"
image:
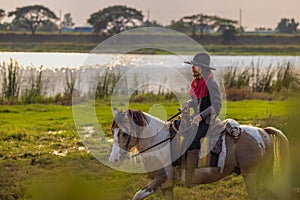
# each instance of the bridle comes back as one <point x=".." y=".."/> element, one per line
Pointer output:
<point x="132" y="127"/>
<point x="168" y="138"/>
<point x="127" y="143"/>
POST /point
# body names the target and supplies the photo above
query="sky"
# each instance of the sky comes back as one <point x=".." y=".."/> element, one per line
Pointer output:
<point x="255" y="13"/>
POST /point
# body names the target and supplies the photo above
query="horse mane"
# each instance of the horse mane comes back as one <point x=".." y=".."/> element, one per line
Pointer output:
<point x="138" y="117"/>
<point x="114" y="125"/>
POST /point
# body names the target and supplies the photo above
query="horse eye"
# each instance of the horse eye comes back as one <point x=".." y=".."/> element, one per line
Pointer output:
<point x="124" y="134"/>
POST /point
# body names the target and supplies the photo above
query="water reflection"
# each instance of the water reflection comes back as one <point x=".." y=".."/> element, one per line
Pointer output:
<point x="75" y="60"/>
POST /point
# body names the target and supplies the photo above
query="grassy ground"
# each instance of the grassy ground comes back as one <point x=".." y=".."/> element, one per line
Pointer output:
<point x="46" y="47"/>
<point x="293" y="50"/>
<point x="88" y="47"/>
<point x="42" y="157"/>
<point x="253" y="44"/>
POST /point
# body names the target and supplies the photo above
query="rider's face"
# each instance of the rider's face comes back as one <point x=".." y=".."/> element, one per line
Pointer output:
<point x="196" y="70"/>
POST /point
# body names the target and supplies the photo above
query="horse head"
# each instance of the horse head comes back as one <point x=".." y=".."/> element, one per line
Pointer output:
<point x="125" y="129"/>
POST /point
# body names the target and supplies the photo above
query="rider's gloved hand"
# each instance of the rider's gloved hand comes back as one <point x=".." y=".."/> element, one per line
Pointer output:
<point x="196" y="120"/>
<point x="186" y="105"/>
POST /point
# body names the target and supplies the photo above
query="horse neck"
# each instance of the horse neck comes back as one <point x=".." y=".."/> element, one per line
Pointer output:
<point x="156" y="131"/>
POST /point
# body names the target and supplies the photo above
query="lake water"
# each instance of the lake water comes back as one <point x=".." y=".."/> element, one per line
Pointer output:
<point x="75" y="60"/>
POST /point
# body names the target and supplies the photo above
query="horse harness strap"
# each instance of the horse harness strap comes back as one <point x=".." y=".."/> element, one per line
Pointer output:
<point x="168" y="138"/>
<point x="173" y="127"/>
<point x="127" y="143"/>
<point x="151" y="147"/>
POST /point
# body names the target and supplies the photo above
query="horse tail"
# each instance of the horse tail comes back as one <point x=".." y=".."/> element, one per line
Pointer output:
<point x="281" y="147"/>
<point x="281" y="156"/>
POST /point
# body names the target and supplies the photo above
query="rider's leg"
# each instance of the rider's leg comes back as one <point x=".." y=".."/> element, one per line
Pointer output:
<point x="201" y="132"/>
<point x="191" y="165"/>
<point x="193" y="152"/>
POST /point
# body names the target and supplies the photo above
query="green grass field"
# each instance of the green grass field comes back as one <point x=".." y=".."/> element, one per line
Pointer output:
<point x="244" y="44"/>
<point x="42" y="157"/>
<point x="293" y="50"/>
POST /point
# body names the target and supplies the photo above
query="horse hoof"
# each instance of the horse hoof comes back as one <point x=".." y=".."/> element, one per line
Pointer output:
<point x="142" y="194"/>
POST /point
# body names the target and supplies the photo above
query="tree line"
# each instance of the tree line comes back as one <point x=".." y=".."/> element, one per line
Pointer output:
<point x="114" y="19"/>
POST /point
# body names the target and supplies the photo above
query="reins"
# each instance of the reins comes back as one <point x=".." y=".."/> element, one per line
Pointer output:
<point x="168" y="138"/>
<point x="186" y="129"/>
<point x="151" y="147"/>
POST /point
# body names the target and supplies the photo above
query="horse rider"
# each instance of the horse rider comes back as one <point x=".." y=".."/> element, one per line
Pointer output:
<point x="206" y="103"/>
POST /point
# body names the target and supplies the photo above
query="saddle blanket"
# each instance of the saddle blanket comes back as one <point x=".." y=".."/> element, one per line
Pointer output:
<point x="214" y="132"/>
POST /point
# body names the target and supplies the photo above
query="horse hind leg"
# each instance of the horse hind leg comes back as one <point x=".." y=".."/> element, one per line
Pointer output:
<point x="277" y="188"/>
<point x="252" y="185"/>
<point x="168" y="193"/>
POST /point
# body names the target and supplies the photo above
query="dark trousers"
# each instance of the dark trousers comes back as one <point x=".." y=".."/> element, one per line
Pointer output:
<point x="201" y="132"/>
<point x="191" y="141"/>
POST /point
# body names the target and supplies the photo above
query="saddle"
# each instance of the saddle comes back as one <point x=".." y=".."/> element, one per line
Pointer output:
<point x="213" y="149"/>
<point x="212" y="152"/>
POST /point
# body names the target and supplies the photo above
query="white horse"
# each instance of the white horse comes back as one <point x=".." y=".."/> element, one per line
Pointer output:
<point x="252" y="154"/>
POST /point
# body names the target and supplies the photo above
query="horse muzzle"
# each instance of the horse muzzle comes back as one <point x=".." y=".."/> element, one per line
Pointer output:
<point x="114" y="161"/>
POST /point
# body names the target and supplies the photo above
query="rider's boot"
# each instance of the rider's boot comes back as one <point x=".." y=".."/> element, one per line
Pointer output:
<point x="191" y="165"/>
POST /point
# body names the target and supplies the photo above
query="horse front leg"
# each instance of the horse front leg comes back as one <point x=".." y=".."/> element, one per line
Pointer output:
<point x="142" y="194"/>
<point x="160" y="176"/>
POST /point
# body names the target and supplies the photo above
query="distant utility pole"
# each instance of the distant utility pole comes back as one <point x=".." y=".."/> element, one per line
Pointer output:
<point x="60" y="23"/>
<point x="148" y="15"/>
<point x="240" y="18"/>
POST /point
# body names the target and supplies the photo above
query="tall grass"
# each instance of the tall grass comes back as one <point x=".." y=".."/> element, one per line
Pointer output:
<point x="287" y="78"/>
<point x="106" y="83"/>
<point x="70" y="78"/>
<point x="34" y="91"/>
<point x="30" y="85"/>
<point x="257" y="82"/>
<point x="10" y="79"/>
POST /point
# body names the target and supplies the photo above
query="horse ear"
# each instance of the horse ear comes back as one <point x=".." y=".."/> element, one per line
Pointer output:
<point x="127" y="116"/>
<point x="116" y="111"/>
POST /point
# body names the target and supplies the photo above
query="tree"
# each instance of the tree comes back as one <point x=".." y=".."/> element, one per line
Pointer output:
<point x="31" y="17"/>
<point x="224" y="24"/>
<point x="68" y="21"/>
<point x="200" y="21"/>
<point x="179" y="26"/>
<point x="287" y="26"/>
<point x="115" y="19"/>
<point x="203" y="22"/>
<point x="227" y="27"/>
<point x="48" y="26"/>
<point x="192" y="22"/>
<point x="2" y="14"/>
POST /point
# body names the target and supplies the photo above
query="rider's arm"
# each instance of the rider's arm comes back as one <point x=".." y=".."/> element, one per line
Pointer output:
<point x="207" y="112"/>
<point x="215" y="98"/>
<point x="191" y="103"/>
